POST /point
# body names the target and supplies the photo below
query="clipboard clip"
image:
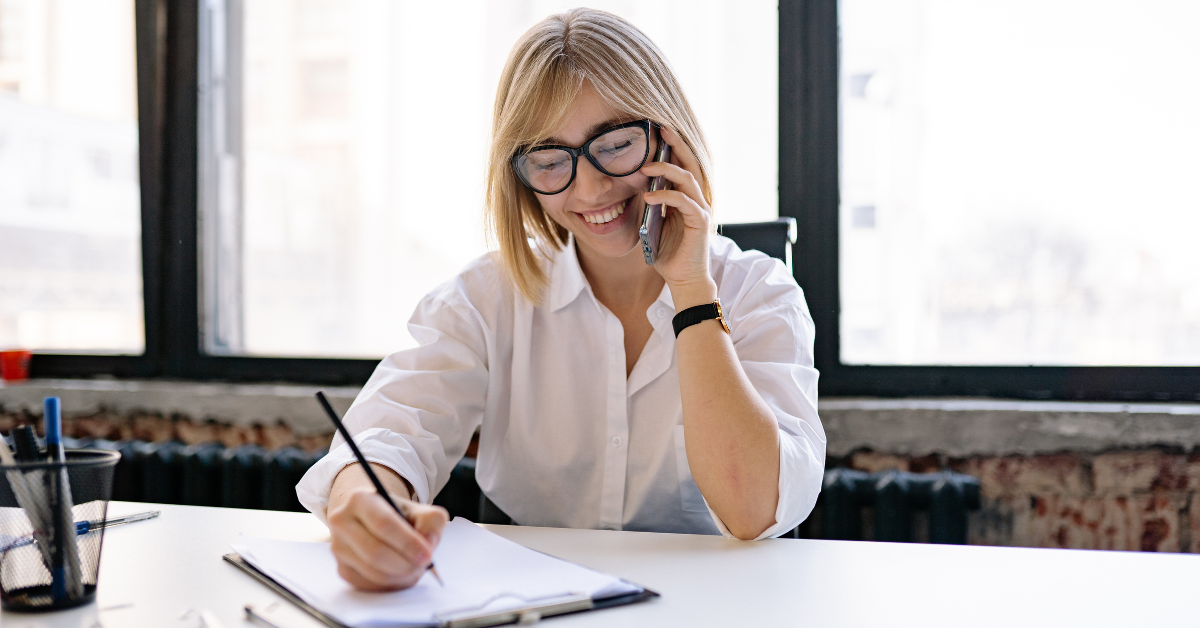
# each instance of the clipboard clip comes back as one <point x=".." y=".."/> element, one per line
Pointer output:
<point x="522" y="615"/>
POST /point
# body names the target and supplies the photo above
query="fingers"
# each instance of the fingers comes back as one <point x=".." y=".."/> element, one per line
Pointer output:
<point x="375" y="548"/>
<point x="686" y="175"/>
<point x="364" y="583"/>
<point x="378" y="518"/>
<point x="694" y="216"/>
<point x="680" y="179"/>
<point x="429" y="521"/>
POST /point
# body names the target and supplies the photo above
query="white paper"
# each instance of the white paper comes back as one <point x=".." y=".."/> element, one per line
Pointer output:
<point x="481" y="571"/>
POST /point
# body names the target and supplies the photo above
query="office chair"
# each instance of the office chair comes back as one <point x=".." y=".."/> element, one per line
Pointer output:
<point x="774" y="238"/>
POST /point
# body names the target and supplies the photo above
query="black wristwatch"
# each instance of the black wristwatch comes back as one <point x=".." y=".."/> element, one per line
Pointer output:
<point x="699" y="314"/>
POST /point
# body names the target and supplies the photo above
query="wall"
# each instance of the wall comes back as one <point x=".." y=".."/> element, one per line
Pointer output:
<point x="269" y="415"/>
<point x="1071" y="475"/>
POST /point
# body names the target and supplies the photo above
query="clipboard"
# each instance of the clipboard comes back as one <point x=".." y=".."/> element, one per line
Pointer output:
<point x="525" y="614"/>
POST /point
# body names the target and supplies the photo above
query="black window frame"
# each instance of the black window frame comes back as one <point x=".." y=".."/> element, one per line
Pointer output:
<point x="167" y="80"/>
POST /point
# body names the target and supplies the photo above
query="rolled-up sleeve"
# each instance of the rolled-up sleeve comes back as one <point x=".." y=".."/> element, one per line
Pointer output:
<point x="418" y="411"/>
<point x="773" y="336"/>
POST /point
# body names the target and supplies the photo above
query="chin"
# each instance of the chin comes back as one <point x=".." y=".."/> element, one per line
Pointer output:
<point x="617" y="243"/>
<point x="619" y="248"/>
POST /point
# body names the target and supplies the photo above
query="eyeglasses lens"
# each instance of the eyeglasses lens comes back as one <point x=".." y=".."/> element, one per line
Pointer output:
<point x="546" y="170"/>
<point x="621" y="151"/>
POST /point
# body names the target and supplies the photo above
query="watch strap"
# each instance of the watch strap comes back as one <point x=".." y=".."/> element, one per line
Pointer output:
<point x="699" y="314"/>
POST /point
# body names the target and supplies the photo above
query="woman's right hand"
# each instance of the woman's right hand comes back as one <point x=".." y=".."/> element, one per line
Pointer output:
<point x="377" y="549"/>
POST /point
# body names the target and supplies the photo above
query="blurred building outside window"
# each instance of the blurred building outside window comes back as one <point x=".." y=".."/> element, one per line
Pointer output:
<point x="1019" y="182"/>
<point x="70" y="211"/>
<point x="345" y="147"/>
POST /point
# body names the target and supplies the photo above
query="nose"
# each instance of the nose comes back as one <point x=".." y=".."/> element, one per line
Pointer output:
<point x="590" y="184"/>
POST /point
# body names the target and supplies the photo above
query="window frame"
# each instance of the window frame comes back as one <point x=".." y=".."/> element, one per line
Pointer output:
<point x="167" y="34"/>
<point x="809" y="126"/>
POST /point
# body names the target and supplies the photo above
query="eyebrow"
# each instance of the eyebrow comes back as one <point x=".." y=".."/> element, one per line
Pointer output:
<point x="593" y="130"/>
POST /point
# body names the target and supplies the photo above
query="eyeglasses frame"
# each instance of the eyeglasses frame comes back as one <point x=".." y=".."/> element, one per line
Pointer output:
<point x="575" y="153"/>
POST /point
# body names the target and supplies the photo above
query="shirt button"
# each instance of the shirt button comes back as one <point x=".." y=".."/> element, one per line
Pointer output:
<point x="616" y="441"/>
<point x="662" y="313"/>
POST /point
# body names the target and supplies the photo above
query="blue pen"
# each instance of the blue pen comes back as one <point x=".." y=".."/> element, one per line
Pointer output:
<point x="53" y="427"/>
<point x="84" y="527"/>
<point x="52" y="417"/>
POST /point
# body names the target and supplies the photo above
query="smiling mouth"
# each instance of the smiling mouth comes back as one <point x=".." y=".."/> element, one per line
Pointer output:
<point x="607" y="216"/>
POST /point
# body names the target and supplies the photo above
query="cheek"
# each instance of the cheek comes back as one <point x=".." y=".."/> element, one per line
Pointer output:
<point x="637" y="182"/>
<point x="553" y="206"/>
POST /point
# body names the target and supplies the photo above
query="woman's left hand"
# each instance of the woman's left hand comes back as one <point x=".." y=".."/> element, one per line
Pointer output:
<point x="683" y="248"/>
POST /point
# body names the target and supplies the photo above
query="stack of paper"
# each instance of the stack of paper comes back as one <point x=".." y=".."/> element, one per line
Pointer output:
<point x="482" y="572"/>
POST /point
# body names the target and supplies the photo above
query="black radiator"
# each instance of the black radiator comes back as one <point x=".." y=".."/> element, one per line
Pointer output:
<point x="889" y="505"/>
<point x="853" y="505"/>
<point x="207" y="474"/>
<point x="210" y="474"/>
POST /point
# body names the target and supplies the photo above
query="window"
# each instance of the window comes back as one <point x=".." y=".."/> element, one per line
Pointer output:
<point x="280" y="193"/>
<point x="994" y="199"/>
<point x="1018" y="183"/>
<point x="325" y="212"/>
<point x="70" y="203"/>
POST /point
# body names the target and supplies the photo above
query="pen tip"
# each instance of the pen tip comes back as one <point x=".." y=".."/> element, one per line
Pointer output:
<point x="433" y="570"/>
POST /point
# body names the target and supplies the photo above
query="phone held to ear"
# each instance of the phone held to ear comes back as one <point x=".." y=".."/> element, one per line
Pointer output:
<point x="654" y="215"/>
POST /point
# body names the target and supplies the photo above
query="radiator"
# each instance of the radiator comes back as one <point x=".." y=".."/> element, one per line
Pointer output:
<point x="249" y="476"/>
<point x="207" y="474"/>
<point x="889" y="505"/>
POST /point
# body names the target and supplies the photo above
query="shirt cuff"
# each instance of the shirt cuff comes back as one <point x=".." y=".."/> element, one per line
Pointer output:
<point x="378" y="445"/>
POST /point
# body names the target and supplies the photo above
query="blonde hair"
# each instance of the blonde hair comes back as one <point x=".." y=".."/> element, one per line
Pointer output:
<point x="542" y="77"/>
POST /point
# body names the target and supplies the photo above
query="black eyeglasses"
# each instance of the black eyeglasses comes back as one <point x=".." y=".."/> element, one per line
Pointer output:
<point x="617" y="151"/>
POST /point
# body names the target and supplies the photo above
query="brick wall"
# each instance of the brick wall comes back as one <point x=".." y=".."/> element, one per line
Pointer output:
<point x="155" y="427"/>
<point x="1136" y="500"/>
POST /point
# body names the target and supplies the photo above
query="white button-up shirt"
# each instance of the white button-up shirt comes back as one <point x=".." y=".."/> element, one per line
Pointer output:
<point x="565" y="438"/>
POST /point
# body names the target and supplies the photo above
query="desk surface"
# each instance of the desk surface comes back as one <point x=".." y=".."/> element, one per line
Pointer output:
<point x="153" y="572"/>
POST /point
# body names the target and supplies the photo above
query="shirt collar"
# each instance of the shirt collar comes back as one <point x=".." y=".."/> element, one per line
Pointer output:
<point x="566" y="277"/>
<point x="567" y="280"/>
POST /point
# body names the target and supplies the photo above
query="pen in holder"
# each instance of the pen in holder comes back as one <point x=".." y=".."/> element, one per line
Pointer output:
<point x="52" y="516"/>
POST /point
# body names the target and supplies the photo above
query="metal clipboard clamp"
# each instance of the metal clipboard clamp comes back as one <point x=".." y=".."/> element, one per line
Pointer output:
<point x="524" y="615"/>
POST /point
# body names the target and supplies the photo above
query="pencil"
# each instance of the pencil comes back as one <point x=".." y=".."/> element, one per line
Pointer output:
<point x="362" y="460"/>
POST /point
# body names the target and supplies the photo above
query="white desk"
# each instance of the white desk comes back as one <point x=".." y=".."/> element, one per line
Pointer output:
<point x="153" y="571"/>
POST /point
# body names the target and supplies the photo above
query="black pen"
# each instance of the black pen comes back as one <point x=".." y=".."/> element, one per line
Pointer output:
<point x="362" y="460"/>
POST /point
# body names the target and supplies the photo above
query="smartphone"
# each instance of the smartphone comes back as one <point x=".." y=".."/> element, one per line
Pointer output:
<point x="654" y="215"/>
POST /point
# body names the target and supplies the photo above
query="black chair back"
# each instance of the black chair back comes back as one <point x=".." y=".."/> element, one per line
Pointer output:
<point x="774" y="238"/>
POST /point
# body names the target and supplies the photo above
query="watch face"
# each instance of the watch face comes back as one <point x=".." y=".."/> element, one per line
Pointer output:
<point x="721" y="316"/>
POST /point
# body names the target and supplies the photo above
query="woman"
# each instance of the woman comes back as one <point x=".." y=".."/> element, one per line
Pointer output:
<point x="593" y="412"/>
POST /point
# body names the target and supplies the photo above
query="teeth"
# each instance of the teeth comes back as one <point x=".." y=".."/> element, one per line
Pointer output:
<point x="608" y="216"/>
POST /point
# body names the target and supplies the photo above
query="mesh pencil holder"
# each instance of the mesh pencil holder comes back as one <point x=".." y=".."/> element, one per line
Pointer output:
<point x="52" y="517"/>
